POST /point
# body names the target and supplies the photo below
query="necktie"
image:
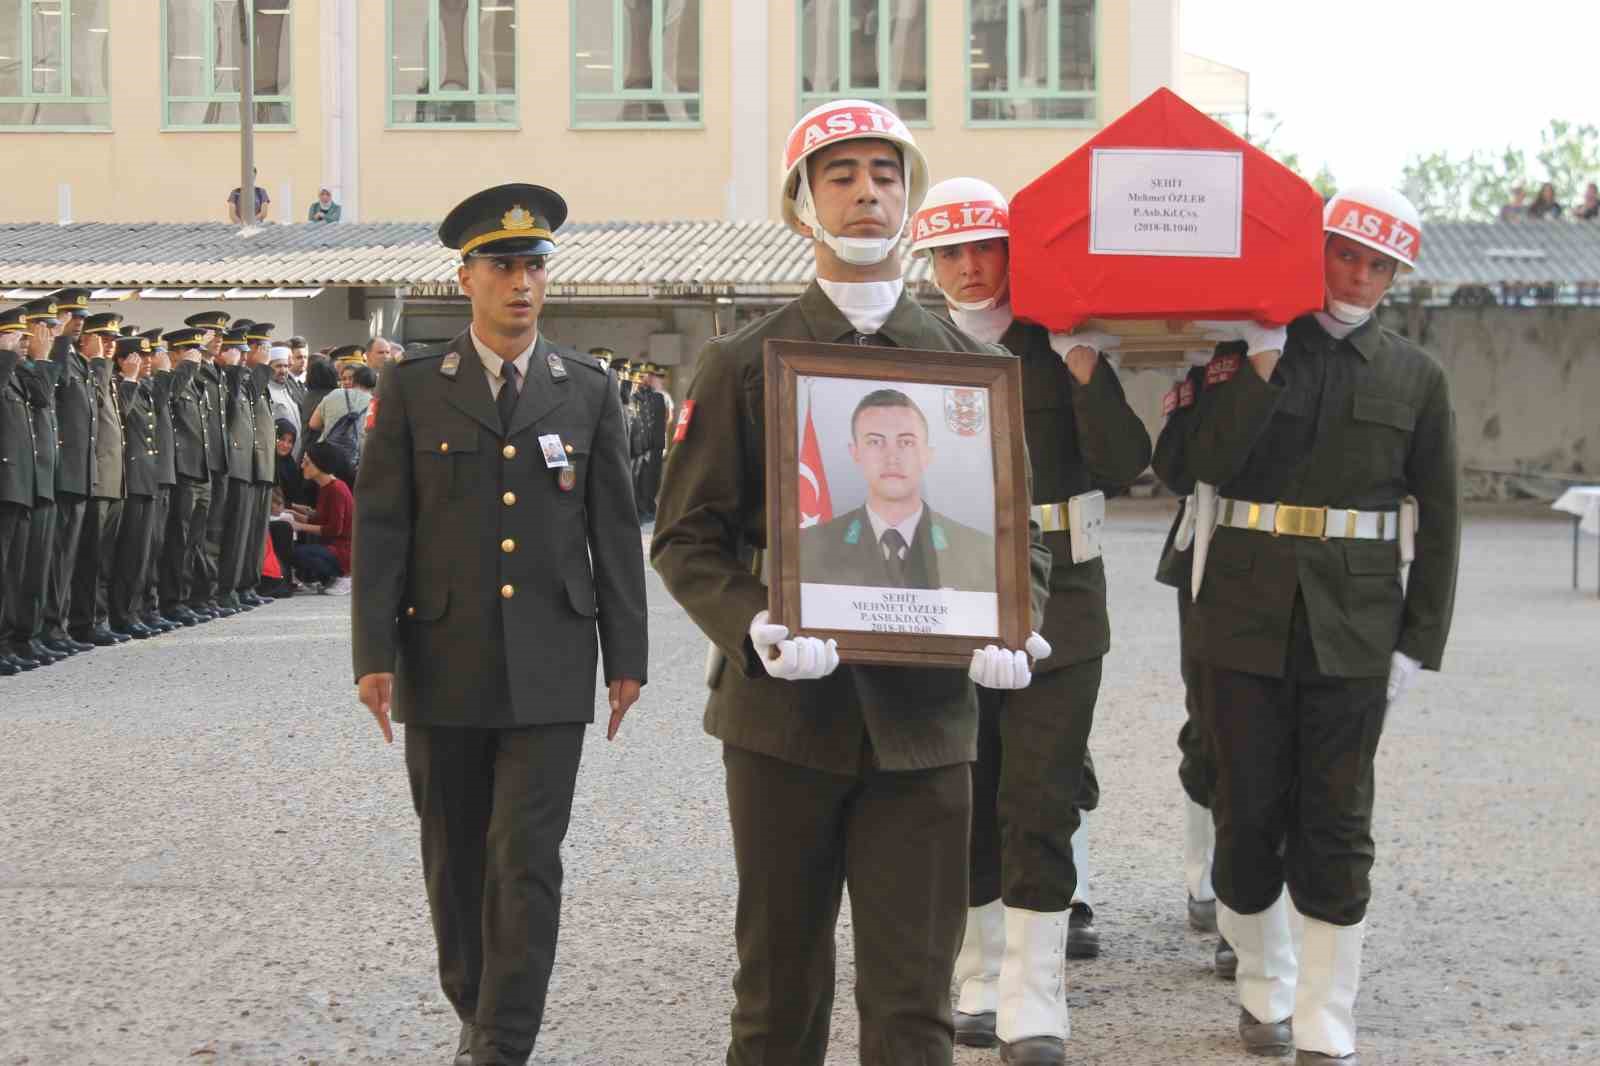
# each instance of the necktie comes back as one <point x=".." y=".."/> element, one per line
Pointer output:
<point x="507" y="401"/>
<point x="894" y="557"/>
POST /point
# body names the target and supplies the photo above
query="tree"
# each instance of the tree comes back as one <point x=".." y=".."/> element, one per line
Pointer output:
<point x="1474" y="187"/>
<point x="1324" y="182"/>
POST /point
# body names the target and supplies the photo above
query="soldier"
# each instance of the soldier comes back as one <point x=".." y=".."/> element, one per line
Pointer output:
<point x="211" y="381"/>
<point x="239" y="418"/>
<point x="263" y="463"/>
<point x="651" y="419"/>
<point x="75" y="481"/>
<point x="183" y="545"/>
<point x="126" y="565"/>
<point x="1028" y="783"/>
<point x="17" y="470"/>
<point x="155" y="377"/>
<point x="102" y="519"/>
<point x="493" y="516"/>
<point x="1302" y="630"/>
<point x="36" y="377"/>
<point x="835" y="776"/>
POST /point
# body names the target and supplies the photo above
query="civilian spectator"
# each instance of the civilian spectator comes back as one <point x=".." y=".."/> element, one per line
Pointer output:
<point x="290" y="484"/>
<point x="324" y="209"/>
<point x="379" y="353"/>
<point x="288" y="487"/>
<point x="263" y="204"/>
<point x="1591" y="204"/>
<point x="284" y="393"/>
<point x="299" y="355"/>
<point x="351" y="399"/>
<point x="321" y="379"/>
<point x="1517" y="209"/>
<point x="324" y="564"/>
<point x="1544" y="205"/>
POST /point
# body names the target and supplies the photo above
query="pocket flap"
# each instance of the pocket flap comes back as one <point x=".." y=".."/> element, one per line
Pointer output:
<point x="444" y="441"/>
<point x="429" y="605"/>
<point x="1385" y="411"/>
<point x="580" y="592"/>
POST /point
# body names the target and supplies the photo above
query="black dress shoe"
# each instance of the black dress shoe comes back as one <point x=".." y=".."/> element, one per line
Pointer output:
<point x="63" y="647"/>
<point x="225" y="611"/>
<point x="8" y="668"/>
<point x="1225" y="960"/>
<point x="182" y="615"/>
<point x="160" y="623"/>
<point x="25" y="662"/>
<point x="1035" y="1051"/>
<point x="46" y="655"/>
<point x="976" y="1030"/>
<point x="140" y="631"/>
<point x="250" y="599"/>
<point x="1083" y="939"/>
<point x="105" y="635"/>
<point x="80" y="645"/>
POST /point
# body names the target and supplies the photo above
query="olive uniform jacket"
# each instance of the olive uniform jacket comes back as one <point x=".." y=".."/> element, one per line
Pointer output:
<point x="712" y="518"/>
<point x="1357" y="423"/>
<point x="1079" y="437"/>
<point x="239" y="421"/>
<point x="139" y="441"/>
<point x="38" y="380"/>
<point x="472" y="559"/>
<point x="166" y="436"/>
<point x="190" y="444"/>
<point x="109" y="464"/>
<point x="75" y="419"/>
<point x="18" y="475"/>
<point x="943" y="554"/>
<point x="210" y="382"/>
<point x="264" y="455"/>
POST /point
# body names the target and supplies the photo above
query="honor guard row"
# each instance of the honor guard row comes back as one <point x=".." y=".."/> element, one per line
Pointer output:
<point x="135" y="469"/>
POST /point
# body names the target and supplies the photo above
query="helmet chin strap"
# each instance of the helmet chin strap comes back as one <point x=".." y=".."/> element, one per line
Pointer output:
<point x="857" y="251"/>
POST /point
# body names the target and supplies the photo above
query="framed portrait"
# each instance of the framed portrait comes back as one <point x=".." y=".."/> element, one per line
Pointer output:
<point x="897" y="516"/>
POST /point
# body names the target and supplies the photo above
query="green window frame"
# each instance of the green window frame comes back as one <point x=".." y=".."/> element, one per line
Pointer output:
<point x="619" y="107"/>
<point x="910" y="104"/>
<point x="44" y="74"/>
<point x="218" y="108"/>
<point x="1045" y="102"/>
<point x="453" y="94"/>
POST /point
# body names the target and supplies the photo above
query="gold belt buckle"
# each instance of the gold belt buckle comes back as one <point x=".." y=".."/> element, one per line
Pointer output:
<point x="1052" y="517"/>
<point x="1300" y="521"/>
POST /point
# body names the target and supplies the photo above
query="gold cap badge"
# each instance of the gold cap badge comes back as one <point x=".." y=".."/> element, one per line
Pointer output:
<point x="517" y="218"/>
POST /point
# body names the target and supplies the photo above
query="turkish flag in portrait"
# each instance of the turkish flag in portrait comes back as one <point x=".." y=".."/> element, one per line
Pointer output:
<point x="816" y="506"/>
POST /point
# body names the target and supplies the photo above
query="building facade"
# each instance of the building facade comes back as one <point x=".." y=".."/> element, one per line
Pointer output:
<point x="633" y="109"/>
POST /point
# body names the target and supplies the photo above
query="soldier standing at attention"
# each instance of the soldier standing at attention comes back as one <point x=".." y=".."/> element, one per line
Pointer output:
<point x="36" y="377"/>
<point x="17" y="473"/>
<point x="126" y="567"/>
<point x="183" y="544"/>
<point x="1033" y="745"/>
<point x="211" y="382"/>
<point x="239" y="418"/>
<point x="495" y="533"/>
<point x="1303" y="633"/>
<point x="102" y="522"/>
<point x="835" y="776"/>
<point x="75" y="482"/>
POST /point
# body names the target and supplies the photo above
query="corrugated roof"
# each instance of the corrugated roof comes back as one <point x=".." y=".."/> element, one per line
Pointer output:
<point x="688" y="258"/>
<point x="618" y="259"/>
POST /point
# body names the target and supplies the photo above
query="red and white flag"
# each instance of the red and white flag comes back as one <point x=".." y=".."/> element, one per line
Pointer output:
<point x="816" y="506"/>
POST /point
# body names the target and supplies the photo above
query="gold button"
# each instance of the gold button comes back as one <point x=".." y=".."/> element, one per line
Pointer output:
<point x="509" y="451"/>
<point x="444" y="446"/>
<point x="508" y="545"/>
<point x="506" y="592"/>
<point x="509" y="499"/>
<point x="569" y="449"/>
<point x="411" y="612"/>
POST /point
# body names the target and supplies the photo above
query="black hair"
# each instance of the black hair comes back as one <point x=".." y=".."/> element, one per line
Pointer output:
<point x="887" y="398"/>
<point x="320" y="374"/>
<point x="330" y="460"/>
<point x="286" y="429"/>
<point x="364" y="377"/>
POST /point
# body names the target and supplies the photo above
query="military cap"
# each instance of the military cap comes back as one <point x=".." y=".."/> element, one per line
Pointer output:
<point x="40" y="310"/>
<point x="243" y="323"/>
<point x="259" y="331"/>
<point x="347" y="352"/>
<point x="234" y="338"/>
<point x="108" y="323"/>
<point x="154" y="336"/>
<point x="514" y="219"/>
<point x="11" y="320"/>
<point x="74" y="300"/>
<point x="208" y="320"/>
<point x="188" y="337"/>
<point x="128" y="331"/>
<point x="127" y="346"/>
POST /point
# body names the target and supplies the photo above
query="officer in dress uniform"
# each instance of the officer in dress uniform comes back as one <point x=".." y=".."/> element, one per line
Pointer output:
<point x="75" y="481"/>
<point x="836" y="776"/>
<point x="1028" y="783"/>
<point x="126" y="565"/>
<point x="183" y="545"/>
<point x="263" y="463"/>
<point x="102" y="520"/>
<point x="240" y="419"/>
<point x="156" y="377"/>
<point x="36" y="376"/>
<point x="1303" y="631"/>
<point x="495" y="534"/>
<point x="211" y="382"/>
<point x="17" y="473"/>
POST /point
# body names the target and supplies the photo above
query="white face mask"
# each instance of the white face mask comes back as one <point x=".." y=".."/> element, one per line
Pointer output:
<point x="987" y="324"/>
<point x="999" y="297"/>
<point x="1349" y="314"/>
<point x="857" y="251"/>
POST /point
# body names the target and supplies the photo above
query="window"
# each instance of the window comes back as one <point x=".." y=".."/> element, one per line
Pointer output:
<point x="453" y="62"/>
<point x="885" y="48"/>
<point x="203" y="70"/>
<point x="54" y="57"/>
<point x="636" y="62"/>
<point x="1030" y="62"/>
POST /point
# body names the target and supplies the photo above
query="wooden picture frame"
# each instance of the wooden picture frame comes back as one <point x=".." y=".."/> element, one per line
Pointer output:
<point x="978" y="423"/>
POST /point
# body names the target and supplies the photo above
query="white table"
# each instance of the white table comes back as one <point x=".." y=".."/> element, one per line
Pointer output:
<point x="1582" y="502"/>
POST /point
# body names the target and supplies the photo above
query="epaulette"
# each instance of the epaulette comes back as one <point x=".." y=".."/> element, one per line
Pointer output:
<point x="572" y="355"/>
<point x="433" y="351"/>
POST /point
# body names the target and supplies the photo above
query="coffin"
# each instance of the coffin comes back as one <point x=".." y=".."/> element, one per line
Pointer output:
<point x="1163" y="218"/>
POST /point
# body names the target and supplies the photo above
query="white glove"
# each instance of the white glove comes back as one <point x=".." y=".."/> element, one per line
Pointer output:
<point x="1257" y="337"/>
<point x="799" y="659"/>
<point x="1062" y="343"/>
<point x="1402" y="668"/>
<point x="999" y="668"/>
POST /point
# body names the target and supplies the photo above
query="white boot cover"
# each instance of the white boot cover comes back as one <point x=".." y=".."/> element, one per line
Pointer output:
<point x="1330" y="975"/>
<point x="1265" y="947"/>
<point x="1033" y="993"/>
<point x="1080" y="858"/>
<point x="1199" y="848"/>
<point x="978" y="964"/>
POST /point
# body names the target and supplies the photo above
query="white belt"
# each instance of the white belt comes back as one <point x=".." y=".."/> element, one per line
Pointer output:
<point x="1321" y="522"/>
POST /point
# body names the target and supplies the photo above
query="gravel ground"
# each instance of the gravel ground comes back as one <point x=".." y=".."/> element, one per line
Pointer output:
<point x="208" y="856"/>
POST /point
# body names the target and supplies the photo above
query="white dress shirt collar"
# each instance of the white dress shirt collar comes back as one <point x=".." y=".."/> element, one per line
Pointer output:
<point x="907" y="528"/>
<point x="494" y="366"/>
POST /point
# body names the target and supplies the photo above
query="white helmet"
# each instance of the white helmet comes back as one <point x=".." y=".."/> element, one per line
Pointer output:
<point x="833" y="123"/>
<point x="1379" y="218"/>
<point x="958" y="211"/>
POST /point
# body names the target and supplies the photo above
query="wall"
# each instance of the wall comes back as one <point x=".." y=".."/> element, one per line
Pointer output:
<point x="1525" y="383"/>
